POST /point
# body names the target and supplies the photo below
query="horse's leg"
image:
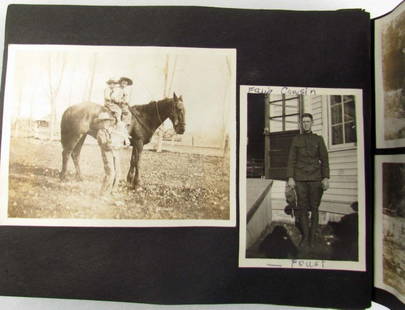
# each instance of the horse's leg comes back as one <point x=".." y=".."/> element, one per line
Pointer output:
<point x="65" y="158"/>
<point x="133" y="173"/>
<point x="68" y="147"/>
<point x="76" y="156"/>
<point x="137" y="181"/>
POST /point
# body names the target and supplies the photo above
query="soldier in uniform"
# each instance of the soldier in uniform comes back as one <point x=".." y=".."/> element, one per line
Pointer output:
<point x="308" y="174"/>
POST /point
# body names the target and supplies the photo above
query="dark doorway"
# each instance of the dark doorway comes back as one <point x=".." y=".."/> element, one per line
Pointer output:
<point x="255" y="146"/>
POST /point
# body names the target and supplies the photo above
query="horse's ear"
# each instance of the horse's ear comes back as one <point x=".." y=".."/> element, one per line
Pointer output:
<point x="174" y="96"/>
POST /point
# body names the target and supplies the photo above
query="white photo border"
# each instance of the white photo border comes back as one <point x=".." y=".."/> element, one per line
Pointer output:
<point x="6" y="137"/>
<point x="244" y="262"/>
<point x="378" y="222"/>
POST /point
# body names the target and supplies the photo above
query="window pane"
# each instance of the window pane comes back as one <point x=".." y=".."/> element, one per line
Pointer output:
<point x="276" y="109"/>
<point x="276" y="125"/>
<point x="337" y="134"/>
<point x="291" y="106"/>
<point x="348" y="98"/>
<point x="336" y="112"/>
<point x="291" y="123"/>
<point x="335" y="100"/>
<point x="350" y="132"/>
<point x="350" y="111"/>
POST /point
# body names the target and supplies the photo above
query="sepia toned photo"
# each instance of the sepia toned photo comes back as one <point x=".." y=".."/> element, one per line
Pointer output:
<point x="302" y="178"/>
<point x="118" y="136"/>
<point x="390" y="224"/>
<point x="390" y="79"/>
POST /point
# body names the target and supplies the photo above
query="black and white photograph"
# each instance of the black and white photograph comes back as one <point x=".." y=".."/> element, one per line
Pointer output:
<point x="118" y="136"/>
<point x="302" y="178"/>
<point x="390" y="79"/>
<point x="390" y="224"/>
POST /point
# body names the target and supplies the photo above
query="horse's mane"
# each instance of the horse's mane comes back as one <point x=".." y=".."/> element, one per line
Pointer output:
<point x="149" y="106"/>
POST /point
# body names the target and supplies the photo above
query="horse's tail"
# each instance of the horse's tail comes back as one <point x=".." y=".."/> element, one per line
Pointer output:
<point x="65" y="126"/>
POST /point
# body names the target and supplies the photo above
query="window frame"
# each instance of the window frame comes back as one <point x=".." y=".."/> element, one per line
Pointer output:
<point x="342" y="146"/>
<point x="283" y="117"/>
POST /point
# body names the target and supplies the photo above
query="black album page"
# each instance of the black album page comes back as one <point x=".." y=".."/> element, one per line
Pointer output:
<point x="389" y="159"/>
<point x="186" y="155"/>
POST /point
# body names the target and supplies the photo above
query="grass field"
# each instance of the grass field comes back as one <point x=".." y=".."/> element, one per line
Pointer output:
<point x="174" y="185"/>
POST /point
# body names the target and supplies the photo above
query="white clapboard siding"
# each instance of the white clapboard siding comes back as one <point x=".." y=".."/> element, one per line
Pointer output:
<point x="341" y="185"/>
<point x="316" y="111"/>
<point x="347" y="179"/>
<point x="343" y="179"/>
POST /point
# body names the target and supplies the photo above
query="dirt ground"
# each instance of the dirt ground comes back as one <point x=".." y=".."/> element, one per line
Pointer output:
<point x="393" y="262"/>
<point x="174" y="185"/>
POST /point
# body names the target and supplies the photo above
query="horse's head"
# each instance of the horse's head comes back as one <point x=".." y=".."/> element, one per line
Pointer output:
<point x="177" y="115"/>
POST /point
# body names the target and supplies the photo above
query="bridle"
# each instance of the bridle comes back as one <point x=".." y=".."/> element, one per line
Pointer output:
<point x="172" y="113"/>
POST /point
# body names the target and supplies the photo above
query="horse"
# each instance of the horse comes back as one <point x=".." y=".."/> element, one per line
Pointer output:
<point x="78" y="122"/>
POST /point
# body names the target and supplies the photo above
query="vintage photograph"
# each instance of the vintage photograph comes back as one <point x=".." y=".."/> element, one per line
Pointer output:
<point x="118" y="136"/>
<point x="390" y="224"/>
<point x="302" y="178"/>
<point x="390" y="79"/>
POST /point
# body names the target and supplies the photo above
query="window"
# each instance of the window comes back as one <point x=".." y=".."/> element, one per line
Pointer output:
<point x="342" y="120"/>
<point x="284" y="113"/>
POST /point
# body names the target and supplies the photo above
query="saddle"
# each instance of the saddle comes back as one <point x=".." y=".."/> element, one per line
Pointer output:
<point x="119" y="112"/>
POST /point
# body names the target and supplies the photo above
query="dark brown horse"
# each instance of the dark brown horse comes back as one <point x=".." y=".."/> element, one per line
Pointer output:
<point x="78" y="122"/>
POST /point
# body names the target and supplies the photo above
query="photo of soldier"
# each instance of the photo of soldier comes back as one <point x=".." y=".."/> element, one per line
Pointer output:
<point x="302" y="177"/>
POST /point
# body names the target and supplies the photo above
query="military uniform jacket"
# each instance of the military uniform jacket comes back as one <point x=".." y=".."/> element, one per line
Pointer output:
<point x="308" y="158"/>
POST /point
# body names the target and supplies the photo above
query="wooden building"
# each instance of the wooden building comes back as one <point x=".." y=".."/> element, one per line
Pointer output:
<point x="270" y="135"/>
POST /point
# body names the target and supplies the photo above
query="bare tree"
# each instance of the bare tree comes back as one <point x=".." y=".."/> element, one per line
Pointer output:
<point x="54" y="86"/>
<point x="17" y="121"/>
<point x="166" y="92"/>
<point x="225" y="108"/>
<point x="91" y="76"/>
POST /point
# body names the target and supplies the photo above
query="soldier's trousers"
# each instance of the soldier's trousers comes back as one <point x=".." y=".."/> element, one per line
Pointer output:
<point x="112" y="169"/>
<point x="309" y="195"/>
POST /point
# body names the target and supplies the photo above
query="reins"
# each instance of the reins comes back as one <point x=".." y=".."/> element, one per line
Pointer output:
<point x="139" y="119"/>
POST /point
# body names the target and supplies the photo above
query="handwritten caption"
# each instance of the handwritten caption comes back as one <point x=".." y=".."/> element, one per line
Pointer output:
<point x="283" y="90"/>
<point x="299" y="263"/>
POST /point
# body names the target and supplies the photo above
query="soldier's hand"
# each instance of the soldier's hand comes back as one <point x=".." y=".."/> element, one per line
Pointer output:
<point x="291" y="183"/>
<point x="325" y="184"/>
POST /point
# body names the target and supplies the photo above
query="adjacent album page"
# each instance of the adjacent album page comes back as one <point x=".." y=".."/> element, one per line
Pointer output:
<point x="389" y="216"/>
<point x="148" y="154"/>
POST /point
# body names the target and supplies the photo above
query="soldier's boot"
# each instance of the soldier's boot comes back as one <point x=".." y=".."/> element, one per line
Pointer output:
<point x="304" y="223"/>
<point x="314" y="228"/>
